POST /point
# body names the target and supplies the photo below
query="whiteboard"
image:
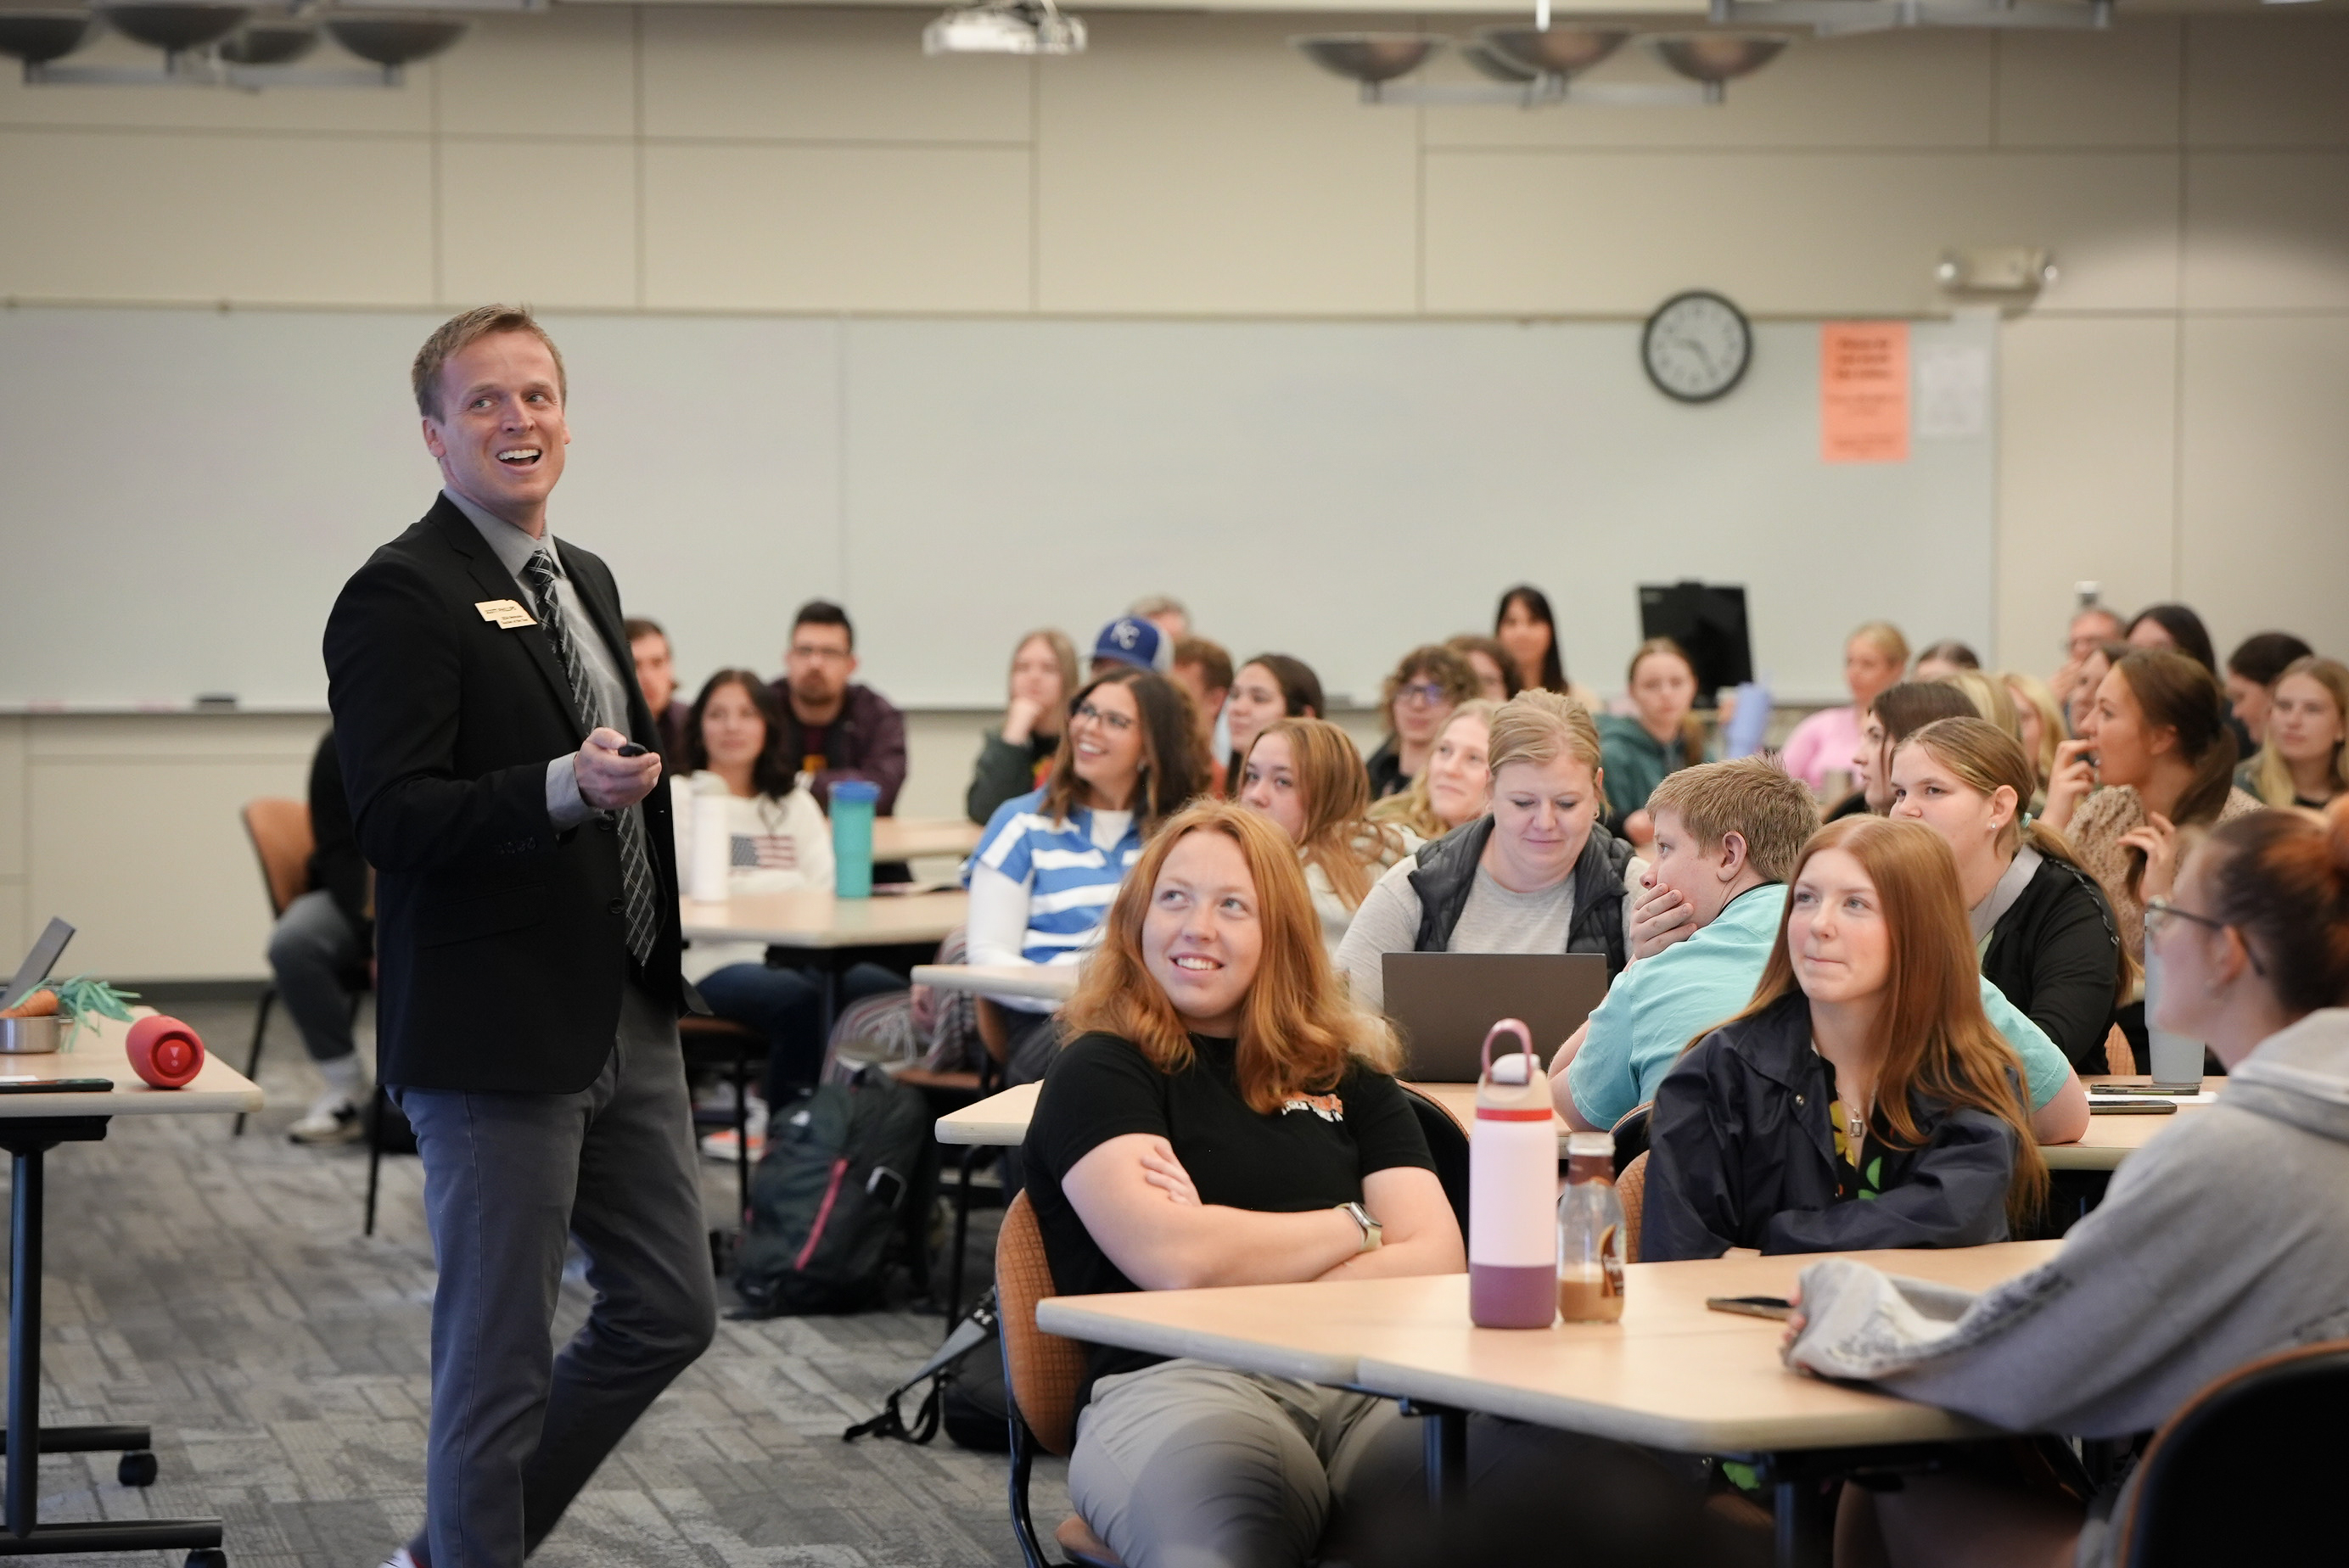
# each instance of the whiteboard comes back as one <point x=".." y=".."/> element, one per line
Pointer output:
<point x="186" y="490"/>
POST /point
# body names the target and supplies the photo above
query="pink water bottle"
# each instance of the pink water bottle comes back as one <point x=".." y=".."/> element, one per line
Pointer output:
<point x="1512" y="1191"/>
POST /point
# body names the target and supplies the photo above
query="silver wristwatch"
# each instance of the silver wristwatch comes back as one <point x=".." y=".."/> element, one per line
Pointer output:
<point x="1373" y="1234"/>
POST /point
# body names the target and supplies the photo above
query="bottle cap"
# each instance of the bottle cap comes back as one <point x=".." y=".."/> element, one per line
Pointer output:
<point x="1584" y="1145"/>
<point x="862" y="789"/>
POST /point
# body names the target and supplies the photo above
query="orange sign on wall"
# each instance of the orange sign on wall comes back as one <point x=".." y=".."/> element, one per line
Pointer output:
<point x="1864" y="391"/>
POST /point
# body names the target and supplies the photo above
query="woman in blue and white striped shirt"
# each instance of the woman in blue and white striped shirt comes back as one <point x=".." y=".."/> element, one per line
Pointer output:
<point x="1049" y="865"/>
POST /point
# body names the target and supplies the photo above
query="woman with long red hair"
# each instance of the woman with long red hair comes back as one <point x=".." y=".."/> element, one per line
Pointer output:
<point x="1222" y="1114"/>
<point x="1862" y="1099"/>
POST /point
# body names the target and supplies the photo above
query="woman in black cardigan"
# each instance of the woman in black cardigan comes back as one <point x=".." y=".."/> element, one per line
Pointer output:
<point x="2043" y="927"/>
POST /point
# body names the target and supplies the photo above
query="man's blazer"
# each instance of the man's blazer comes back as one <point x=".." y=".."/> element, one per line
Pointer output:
<point x="502" y="943"/>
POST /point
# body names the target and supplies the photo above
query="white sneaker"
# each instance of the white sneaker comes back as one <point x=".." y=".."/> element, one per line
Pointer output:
<point x="333" y="1120"/>
<point x="399" y="1559"/>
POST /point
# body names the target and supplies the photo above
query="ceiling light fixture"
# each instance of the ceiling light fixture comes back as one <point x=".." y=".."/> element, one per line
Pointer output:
<point x="1533" y="66"/>
<point x="1005" y="28"/>
<point x="218" y="46"/>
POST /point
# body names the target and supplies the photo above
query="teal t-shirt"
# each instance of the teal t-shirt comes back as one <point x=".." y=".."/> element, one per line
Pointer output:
<point x="1659" y="1004"/>
<point x="1635" y="761"/>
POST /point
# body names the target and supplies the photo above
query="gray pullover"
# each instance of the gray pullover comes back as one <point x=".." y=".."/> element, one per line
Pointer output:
<point x="2224" y="1239"/>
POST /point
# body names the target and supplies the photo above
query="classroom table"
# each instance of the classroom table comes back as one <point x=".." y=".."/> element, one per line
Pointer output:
<point x="30" y="1126"/>
<point x="1042" y="982"/>
<point x="922" y="838"/>
<point x="831" y="930"/>
<point x="2113" y="1138"/>
<point x="1671" y="1374"/>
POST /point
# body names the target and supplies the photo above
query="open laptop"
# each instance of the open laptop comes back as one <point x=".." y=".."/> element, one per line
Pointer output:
<point x="1442" y="1004"/>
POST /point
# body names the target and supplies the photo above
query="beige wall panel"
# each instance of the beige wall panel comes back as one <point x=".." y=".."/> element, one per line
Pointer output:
<point x="844" y="228"/>
<point x="2114" y="89"/>
<point x="12" y="805"/>
<point x="2267" y="230"/>
<point x="1788" y="232"/>
<point x="2269" y="80"/>
<point x="1194" y="164"/>
<point x="112" y="215"/>
<point x="2265" y="468"/>
<point x="2087" y="460"/>
<point x="568" y="72"/>
<point x="822" y="75"/>
<point x="1910" y="89"/>
<point x="160" y="739"/>
<point x="16" y="939"/>
<point x="940" y="747"/>
<point x="566" y="238"/>
<point x="357" y="110"/>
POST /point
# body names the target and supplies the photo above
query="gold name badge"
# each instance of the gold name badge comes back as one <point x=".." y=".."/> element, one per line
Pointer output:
<point x="505" y="613"/>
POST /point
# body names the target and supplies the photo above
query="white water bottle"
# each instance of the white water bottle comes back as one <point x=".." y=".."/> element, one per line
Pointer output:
<point x="1512" y="1191"/>
<point x="2177" y="1061"/>
<point x="713" y="846"/>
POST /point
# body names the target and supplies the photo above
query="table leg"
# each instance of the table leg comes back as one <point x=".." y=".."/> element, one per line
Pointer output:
<point x="1446" y="1438"/>
<point x="961" y="1235"/>
<point x="27" y="1141"/>
<point x="1805" y="1534"/>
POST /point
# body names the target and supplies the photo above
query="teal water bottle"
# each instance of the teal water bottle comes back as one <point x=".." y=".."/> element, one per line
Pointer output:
<point x="853" y="801"/>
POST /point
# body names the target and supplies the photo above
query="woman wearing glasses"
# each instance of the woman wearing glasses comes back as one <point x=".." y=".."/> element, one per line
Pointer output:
<point x="1430" y="681"/>
<point x="1537" y="874"/>
<point x="2224" y="1240"/>
<point x="1048" y="865"/>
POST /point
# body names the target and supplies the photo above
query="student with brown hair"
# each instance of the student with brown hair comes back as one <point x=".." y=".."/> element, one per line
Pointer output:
<point x="2044" y="927"/>
<point x="1223" y="1115"/>
<point x="1945" y="658"/>
<point x="1661" y="737"/>
<point x="1203" y="670"/>
<point x="1049" y="861"/>
<point x="1268" y="686"/>
<point x="1457" y="785"/>
<point x="2158" y="755"/>
<point x="1426" y="685"/>
<point x="2258" y="662"/>
<point x="1497" y="679"/>
<point x="1017" y="754"/>
<point x="1537" y="874"/>
<point x="2304" y="761"/>
<point x="2175" y="628"/>
<point x="2223" y="1241"/>
<point x="1862" y="1099"/>
<point x="1305" y="774"/>
<point x="1526" y="629"/>
<point x="649" y="651"/>
<point x="1895" y="713"/>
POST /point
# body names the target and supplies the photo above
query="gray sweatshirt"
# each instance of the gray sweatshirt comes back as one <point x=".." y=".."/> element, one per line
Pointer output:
<point x="2225" y="1238"/>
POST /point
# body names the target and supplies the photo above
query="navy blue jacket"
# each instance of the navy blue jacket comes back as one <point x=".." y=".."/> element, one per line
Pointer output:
<point x="1742" y="1154"/>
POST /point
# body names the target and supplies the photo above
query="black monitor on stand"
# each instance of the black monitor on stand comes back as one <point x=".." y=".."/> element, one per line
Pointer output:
<point x="1708" y="621"/>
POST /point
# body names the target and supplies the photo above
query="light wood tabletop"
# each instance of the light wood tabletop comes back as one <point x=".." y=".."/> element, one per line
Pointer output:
<point x="1044" y="982"/>
<point x="812" y="917"/>
<point x="217" y="1089"/>
<point x="1671" y="1374"/>
<point x="919" y="838"/>
<point x="2113" y="1138"/>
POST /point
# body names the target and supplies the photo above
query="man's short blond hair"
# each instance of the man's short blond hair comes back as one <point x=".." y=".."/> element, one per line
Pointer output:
<point x="1754" y="798"/>
<point x="1540" y="726"/>
<point x="458" y="333"/>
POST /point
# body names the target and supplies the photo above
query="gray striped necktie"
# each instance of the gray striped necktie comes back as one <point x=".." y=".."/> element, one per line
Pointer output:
<point x="636" y="866"/>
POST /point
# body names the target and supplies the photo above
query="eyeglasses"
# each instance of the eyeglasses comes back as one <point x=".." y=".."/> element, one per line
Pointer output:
<point x="803" y="651"/>
<point x="1427" y="693"/>
<point x="2160" y="911"/>
<point x="1117" y="722"/>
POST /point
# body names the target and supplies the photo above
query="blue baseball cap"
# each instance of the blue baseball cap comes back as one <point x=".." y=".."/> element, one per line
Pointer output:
<point x="1129" y="640"/>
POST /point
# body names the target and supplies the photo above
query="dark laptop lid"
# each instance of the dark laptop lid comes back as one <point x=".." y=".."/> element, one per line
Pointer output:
<point x="1443" y="1002"/>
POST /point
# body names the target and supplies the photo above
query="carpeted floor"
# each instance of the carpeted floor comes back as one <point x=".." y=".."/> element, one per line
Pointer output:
<point x="219" y="1290"/>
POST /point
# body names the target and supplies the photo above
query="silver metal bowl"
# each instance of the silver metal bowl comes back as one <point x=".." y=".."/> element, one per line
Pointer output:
<point x="31" y="1036"/>
<point x="1490" y="63"/>
<point x="1369" y="56"/>
<point x="394" y="40"/>
<point x="1553" y="51"/>
<point x="269" y="44"/>
<point x="1718" y="57"/>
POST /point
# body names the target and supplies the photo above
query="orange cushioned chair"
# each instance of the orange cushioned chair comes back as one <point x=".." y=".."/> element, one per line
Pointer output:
<point x="1041" y="1372"/>
<point x="281" y="842"/>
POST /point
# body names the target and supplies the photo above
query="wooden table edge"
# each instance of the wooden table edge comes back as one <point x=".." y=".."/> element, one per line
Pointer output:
<point x="1060" y="1316"/>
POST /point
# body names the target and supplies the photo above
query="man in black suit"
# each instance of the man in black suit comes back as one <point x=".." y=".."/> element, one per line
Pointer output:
<point x="526" y="912"/>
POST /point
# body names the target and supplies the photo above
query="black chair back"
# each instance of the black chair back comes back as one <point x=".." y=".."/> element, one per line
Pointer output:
<point x="2245" y="1473"/>
<point x="1632" y="1136"/>
<point x="1449" y="1145"/>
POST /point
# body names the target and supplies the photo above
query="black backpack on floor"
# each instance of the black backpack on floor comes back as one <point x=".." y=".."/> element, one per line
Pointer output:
<point x="846" y="1165"/>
